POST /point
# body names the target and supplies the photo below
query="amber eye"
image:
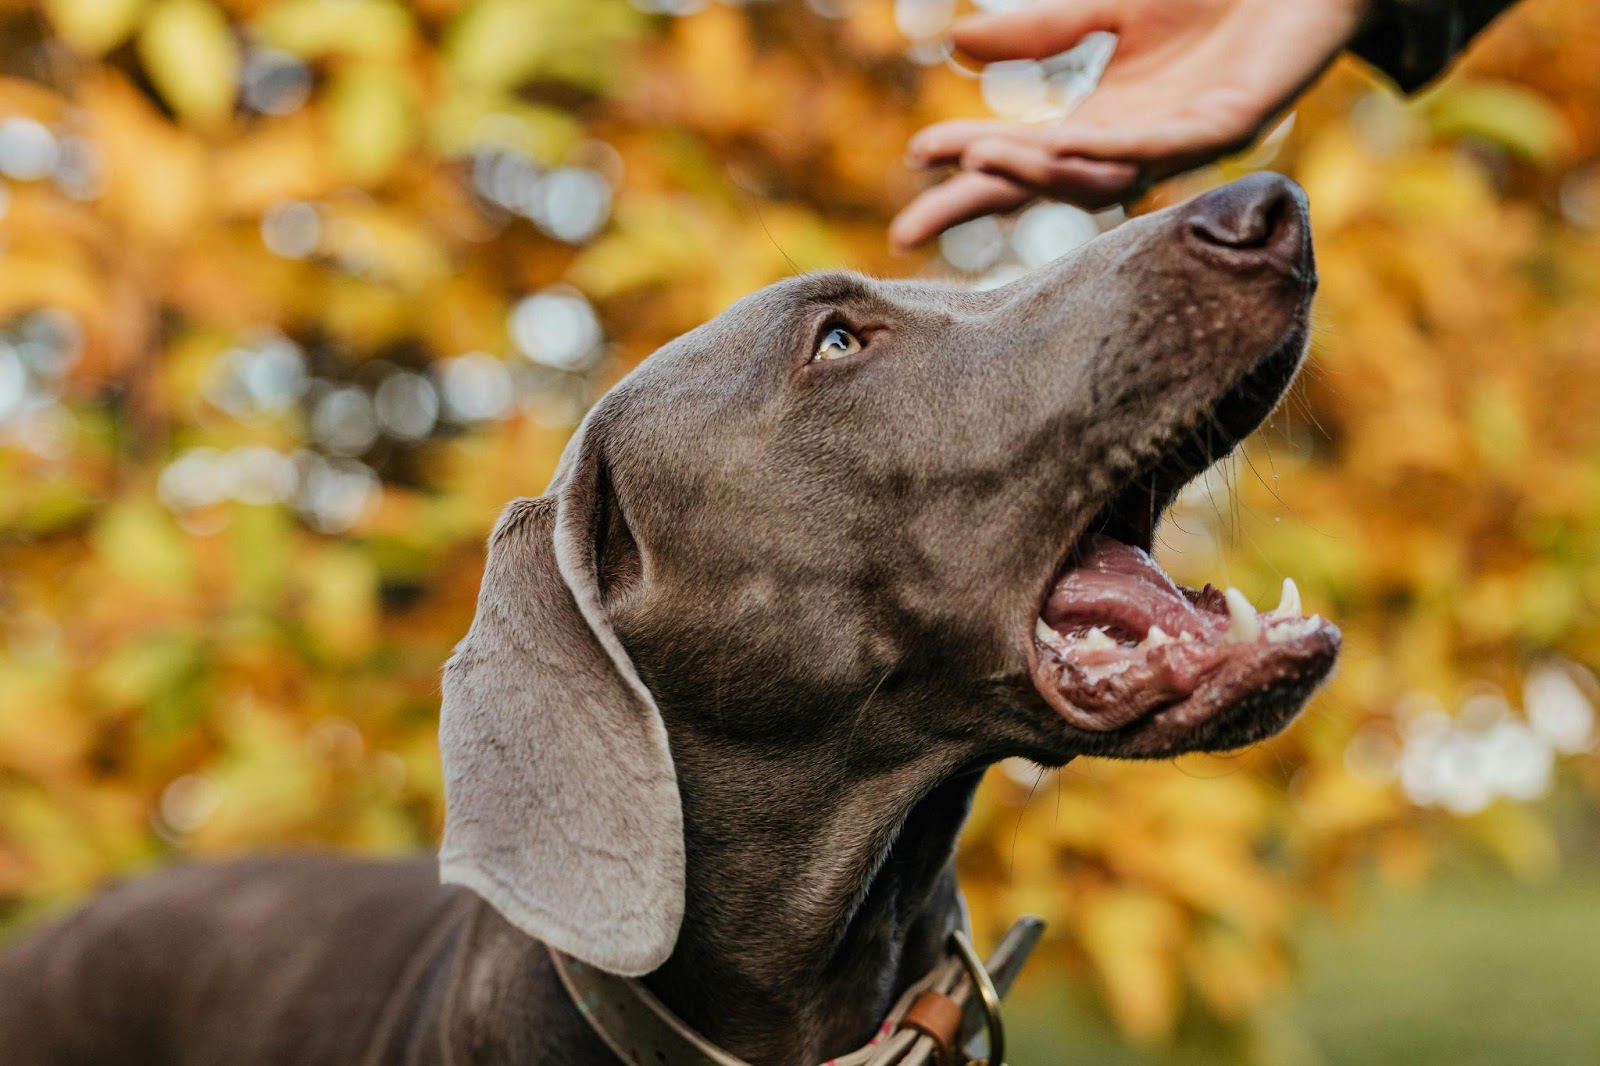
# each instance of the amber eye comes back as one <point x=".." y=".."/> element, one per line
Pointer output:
<point x="837" y="343"/>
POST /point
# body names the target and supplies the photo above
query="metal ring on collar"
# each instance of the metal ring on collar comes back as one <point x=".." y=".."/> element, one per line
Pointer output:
<point x="987" y="993"/>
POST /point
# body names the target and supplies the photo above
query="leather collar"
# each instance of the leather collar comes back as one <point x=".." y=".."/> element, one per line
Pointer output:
<point x="950" y="1017"/>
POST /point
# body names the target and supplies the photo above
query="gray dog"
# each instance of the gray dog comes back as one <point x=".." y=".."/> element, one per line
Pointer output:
<point x="799" y="579"/>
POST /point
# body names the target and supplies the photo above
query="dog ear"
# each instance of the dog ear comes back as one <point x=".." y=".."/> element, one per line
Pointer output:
<point x="562" y="806"/>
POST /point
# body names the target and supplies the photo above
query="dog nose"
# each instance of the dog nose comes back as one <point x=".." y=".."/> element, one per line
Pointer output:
<point x="1259" y="216"/>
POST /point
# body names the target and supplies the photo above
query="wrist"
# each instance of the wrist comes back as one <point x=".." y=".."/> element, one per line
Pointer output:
<point x="1409" y="40"/>
<point x="1364" y="15"/>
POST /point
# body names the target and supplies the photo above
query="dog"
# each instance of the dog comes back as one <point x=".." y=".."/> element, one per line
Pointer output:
<point x="799" y="579"/>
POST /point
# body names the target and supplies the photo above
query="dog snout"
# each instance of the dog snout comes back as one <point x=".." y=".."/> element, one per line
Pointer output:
<point x="1257" y="220"/>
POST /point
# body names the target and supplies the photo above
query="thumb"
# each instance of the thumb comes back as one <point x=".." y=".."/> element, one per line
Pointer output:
<point x="1033" y="32"/>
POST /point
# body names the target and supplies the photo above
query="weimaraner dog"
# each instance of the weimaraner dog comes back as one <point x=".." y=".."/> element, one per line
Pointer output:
<point x="798" y="580"/>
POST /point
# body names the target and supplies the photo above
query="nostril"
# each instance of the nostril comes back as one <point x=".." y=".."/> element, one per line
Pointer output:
<point x="1264" y="220"/>
<point x="1252" y="213"/>
<point x="1251" y="224"/>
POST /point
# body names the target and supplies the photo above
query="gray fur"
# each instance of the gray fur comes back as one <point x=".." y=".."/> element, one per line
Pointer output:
<point x="590" y="862"/>
<point x="731" y="685"/>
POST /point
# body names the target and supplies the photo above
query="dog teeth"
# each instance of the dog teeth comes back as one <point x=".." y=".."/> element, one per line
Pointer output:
<point x="1289" y="602"/>
<point x="1243" y="626"/>
<point x="1096" y="640"/>
<point x="1155" y="638"/>
<point x="1288" y="630"/>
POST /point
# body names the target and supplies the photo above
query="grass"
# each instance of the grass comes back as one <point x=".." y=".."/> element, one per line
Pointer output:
<point x="1472" y="973"/>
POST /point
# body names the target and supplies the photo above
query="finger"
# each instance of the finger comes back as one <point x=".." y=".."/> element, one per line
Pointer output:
<point x="1086" y="135"/>
<point x="1202" y="133"/>
<point x="1033" y="32"/>
<point x="1092" y="183"/>
<point x="959" y="199"/>
<point x="944" y="142"/>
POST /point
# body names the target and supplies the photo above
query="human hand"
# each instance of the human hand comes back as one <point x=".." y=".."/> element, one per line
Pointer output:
<point x="1191" y="80"/>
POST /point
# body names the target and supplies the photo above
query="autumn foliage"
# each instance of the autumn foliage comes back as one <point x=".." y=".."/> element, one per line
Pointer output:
<point x="295" y="294"/>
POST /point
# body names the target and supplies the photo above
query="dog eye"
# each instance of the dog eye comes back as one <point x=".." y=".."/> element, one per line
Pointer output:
<point x="836" y="344"/>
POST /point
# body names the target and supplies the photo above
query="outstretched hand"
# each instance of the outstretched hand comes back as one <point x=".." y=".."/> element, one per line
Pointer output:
<point x="1191" y="80"/>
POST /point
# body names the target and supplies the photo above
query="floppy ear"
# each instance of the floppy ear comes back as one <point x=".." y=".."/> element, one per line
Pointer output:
<point x="562" y="807"/>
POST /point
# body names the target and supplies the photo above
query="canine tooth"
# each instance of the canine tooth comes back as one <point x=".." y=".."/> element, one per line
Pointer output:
<point x="1289" y="602"/>
<point x="1096" y="639"/>
<point x="1043" y="633"/>
<point x="1187" y="637"/>
<point x="1242" y="624"/>
<point x="1155" y="638"/>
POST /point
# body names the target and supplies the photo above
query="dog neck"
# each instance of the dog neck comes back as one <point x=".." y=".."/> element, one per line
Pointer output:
<point x="812" y="900"/>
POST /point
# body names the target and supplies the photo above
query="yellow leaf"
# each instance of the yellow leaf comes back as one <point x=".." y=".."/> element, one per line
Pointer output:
<point x="1235" y="975"/>
<point x="471" y="120"/>
<point x="267" y="788"/>
<point x="189" y="53"/>
<point x="94" y="26"/>
<point x="1132" y="937"/>
<point x="369" y="115"/>
<point x="371" y="29"/>
<point x="40" y="733"/>
<point x="341" y="603"/>
<point x="1521" y="839"/>
<point x="1339" y="180"/>
<point x="651" y="242"/>
<point x="287" y="160"/>
<point x="1441" y="189"/>
<point x="1512" y="116"/>
<point x="156" y="173"/>
<point x="500" y="43"/>
<point x="148" y="676"/>
<point x="404" y="253"/>
<point x="1334" y="800"/>
<point x="259" y="539"/>
<point x="140" y="546"/>
<point x="60" y="847"/>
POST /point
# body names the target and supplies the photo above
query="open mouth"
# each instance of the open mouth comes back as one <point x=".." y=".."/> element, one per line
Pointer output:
<point x="1118" y="645"/>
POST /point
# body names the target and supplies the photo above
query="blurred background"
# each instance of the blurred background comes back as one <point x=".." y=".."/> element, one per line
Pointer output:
<point x="295" y="294"/>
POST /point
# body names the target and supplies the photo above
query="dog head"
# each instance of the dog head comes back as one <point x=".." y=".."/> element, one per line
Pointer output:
<point x="882" y="522"/>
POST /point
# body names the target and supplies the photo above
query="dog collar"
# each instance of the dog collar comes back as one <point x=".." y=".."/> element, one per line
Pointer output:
<point x="941" y="1019"/>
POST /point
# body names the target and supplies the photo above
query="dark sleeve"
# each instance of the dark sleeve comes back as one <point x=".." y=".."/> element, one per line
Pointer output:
<point x="1413" y="41"/>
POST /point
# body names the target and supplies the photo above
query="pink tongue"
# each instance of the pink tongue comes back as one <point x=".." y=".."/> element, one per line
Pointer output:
<point x="1119" y="587"/>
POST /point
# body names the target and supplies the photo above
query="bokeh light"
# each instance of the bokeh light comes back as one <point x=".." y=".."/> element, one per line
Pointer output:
<point x="556" y="328"/>
<point x="287" y="316"/>
<point x="28" y="150"/>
